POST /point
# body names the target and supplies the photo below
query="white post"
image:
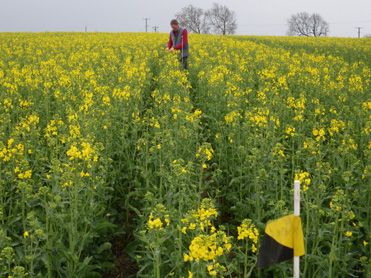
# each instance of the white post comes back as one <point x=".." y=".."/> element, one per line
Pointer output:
<point x="296" y="213"/>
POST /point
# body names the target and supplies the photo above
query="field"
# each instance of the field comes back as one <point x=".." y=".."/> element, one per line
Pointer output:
<point x="109" y="149"/>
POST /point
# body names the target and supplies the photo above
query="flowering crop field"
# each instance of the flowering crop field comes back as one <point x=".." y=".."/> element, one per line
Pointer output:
<point x="105" y="137"/>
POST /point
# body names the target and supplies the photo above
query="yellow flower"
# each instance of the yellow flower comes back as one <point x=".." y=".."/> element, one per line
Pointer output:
<point x="365" y="243"/>
<point x="348" y="234"/>
<point x="25" y="234"/>
<point x="190" y="274"/>
<point x="253" y="248"/>
<point x="28" y="174"/>
<point x="212" y="273"/>
<point x="247" y="230"/>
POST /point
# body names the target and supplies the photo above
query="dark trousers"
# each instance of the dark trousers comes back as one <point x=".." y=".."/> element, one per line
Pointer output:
<point x="184" y="62"/>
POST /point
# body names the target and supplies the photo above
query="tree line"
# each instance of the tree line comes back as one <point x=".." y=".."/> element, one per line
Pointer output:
<point x="219" y="19"/>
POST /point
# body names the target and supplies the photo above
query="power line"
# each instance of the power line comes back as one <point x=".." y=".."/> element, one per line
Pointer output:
<point x="350" y="22"/>
<point x="283" y="24"/>
<point x="263" y="25"/>
<point x="155" y="28"/>
<point x="146" y="19"/>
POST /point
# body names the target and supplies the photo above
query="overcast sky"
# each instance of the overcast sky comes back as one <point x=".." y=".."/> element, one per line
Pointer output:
<point x="254" y="17"/>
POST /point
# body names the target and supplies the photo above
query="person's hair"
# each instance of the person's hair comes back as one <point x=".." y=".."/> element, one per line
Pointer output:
<point x="174" y="22"/>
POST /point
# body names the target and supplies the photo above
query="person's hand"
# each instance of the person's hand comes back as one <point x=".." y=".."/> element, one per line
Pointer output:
<point x="166" y="49"/>
<point x="171" y="50"/>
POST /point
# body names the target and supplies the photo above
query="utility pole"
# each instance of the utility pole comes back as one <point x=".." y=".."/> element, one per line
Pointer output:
<point x="359" y="31"/>
<point x="146" y="19"/>
<point x="86" y="28"/>
<point x="155" y="28"/>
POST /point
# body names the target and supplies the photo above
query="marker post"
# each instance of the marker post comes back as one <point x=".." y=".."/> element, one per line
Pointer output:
<point x="296" y="213"/>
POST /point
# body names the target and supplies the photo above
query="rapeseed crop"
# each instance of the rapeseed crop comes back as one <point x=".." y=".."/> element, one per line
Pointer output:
<point x="105" y="135"/>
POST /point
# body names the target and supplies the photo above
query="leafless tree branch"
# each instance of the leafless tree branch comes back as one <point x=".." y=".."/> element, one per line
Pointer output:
<point x="193" y="19"/>
<point x="303" y="24"/>
<point x="222" y="19"/>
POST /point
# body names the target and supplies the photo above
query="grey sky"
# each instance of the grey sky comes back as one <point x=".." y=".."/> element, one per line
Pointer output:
<point x="258" y="17"/>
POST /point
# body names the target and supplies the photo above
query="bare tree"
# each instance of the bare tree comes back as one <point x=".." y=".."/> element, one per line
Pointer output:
<point x="299" y="25"/>
<point x="305" y="25"/>
<point x="320" y="28"/>
<point x="222" y="19"/>
<point x="193" y="19"/>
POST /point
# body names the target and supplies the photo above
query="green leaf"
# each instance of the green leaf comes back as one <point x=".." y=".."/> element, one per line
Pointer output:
<point x="102" y="225"/>
<point x="104" y="246"/>
<point x="108" y="265"/>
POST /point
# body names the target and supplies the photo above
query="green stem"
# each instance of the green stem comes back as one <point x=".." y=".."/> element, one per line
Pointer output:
<point x="48" y="242"/>
<point x="307" y="233"/>
<point x="281" y="179"/>
<point x="333" y="245"/>
<point x="257" y="190"/>
<point x="159" y="170"/>
<point x="245" y="264"/>
<point x="158" y="268"/>
<point x="180" y="237"/>
<point x="241" y="173"/>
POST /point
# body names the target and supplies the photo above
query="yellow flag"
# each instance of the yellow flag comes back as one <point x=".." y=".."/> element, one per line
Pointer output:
<point x="283" y="240"/>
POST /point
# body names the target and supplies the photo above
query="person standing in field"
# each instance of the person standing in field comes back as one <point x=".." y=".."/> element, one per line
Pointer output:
<point x="179" y="41"/>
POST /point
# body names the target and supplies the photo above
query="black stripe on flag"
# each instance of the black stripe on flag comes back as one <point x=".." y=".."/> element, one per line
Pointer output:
<point x="271" y="252"/>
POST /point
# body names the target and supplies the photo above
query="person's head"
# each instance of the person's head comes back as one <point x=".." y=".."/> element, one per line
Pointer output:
<point x="174" y="25"/>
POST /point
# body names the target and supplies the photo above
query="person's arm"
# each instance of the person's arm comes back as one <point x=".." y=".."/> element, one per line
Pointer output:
<point x="170" y="44"/>
<point x="185" y="38"/>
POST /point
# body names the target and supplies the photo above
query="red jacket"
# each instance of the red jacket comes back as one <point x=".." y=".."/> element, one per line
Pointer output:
<point x="178" y="47"/>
